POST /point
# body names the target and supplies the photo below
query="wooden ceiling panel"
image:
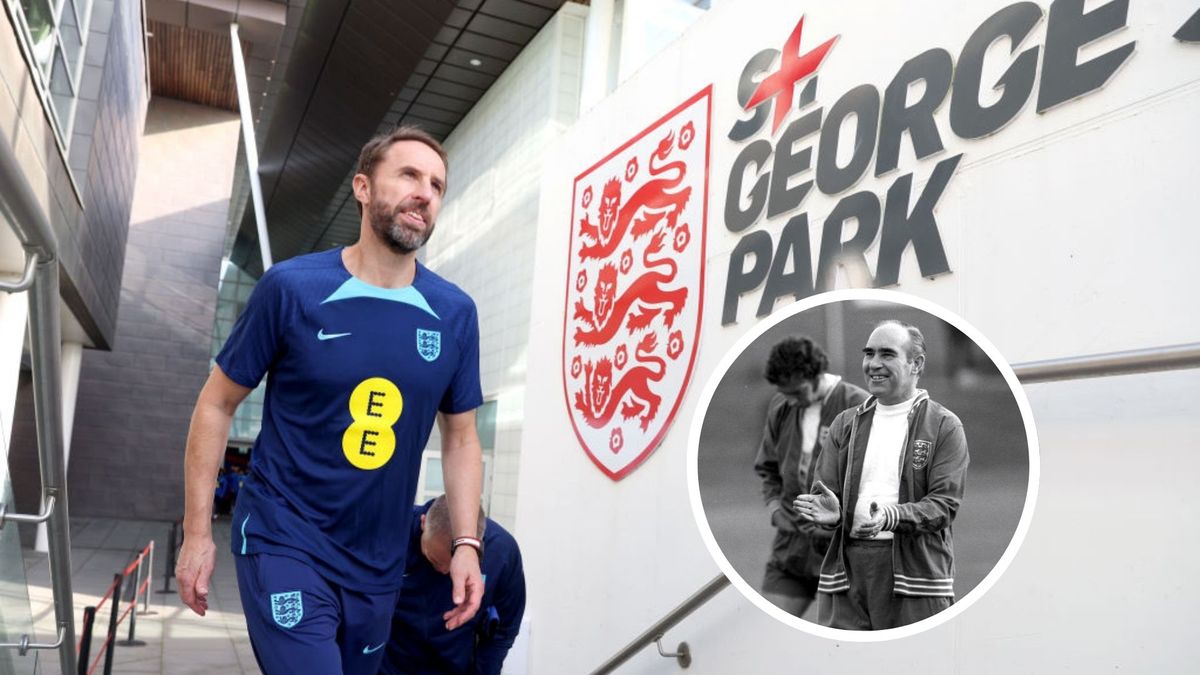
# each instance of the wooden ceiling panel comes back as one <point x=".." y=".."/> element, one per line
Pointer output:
<point x="192" y="65"/>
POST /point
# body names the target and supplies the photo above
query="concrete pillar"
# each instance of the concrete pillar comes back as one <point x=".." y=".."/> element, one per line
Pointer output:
<point x="14" y="314"/>
<point x="597" y="50"/>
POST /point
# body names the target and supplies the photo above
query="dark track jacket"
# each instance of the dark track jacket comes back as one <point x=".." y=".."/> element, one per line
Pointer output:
<point x="779" y="453"/>
<point x="933" y="470"/>
<point x="420" y="643"/>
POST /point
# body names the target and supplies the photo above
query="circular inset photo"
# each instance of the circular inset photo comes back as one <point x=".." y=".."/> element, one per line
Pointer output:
<point x="863" y="465"/>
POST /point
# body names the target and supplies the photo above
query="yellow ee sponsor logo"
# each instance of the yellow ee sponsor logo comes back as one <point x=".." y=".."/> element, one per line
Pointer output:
<point x="375" y="405"/>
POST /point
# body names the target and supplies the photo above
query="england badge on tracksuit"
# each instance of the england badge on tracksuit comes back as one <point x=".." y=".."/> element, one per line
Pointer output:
<point x="920" y="453"/>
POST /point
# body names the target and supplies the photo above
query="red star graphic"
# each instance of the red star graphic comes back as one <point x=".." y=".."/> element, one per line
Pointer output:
<point x="793" y="68"/>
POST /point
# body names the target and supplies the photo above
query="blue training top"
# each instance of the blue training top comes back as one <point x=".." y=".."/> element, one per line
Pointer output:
<point x="420" y="642"/>
<point x="357" y="376"/>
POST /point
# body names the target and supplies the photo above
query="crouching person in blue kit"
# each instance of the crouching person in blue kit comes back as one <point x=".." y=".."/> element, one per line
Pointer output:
<point x="420" y="643"/>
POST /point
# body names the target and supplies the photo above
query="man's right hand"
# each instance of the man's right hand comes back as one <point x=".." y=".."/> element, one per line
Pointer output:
<point x="822" y="507"/>
<point x="193" y="570"/>
<point x="782" y="521"/>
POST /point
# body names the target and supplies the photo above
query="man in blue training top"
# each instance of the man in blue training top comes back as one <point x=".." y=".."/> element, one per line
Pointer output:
<point x="420" y="643"/>
<point x="363" y="348"/>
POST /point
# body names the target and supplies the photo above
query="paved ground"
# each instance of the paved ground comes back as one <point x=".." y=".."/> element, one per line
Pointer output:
<point x="216" y="643"/>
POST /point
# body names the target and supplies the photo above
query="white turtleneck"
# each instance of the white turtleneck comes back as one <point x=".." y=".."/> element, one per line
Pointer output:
<point x="880" y="481"/>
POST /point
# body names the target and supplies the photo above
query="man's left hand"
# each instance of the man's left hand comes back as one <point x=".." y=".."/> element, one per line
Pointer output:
<point x="869" y="528"/>
<point x="468" y="587"/>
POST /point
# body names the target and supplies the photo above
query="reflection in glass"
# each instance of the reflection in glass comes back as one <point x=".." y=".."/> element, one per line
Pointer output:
<point x="68" y="32"/>
<point x="61" y="90"/>
<point x="39" y="18"/>
<point x="15" y="617"/>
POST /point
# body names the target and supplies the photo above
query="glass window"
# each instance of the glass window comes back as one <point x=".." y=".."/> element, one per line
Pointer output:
<point x="68" y="32"/>
<point x="485" y="424"/>
<point x="39" y="19"/>
<point x="434" y="482"/>
<point x="61" y="89"/>
<point x="56" y="39"/>
<point x="431" y="482"/>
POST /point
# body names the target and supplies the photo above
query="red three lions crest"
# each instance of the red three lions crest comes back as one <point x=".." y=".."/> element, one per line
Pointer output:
<point x="634" y="285"/>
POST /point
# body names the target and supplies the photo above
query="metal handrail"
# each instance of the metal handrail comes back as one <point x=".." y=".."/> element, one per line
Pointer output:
<point x="25" y="644"/>
<point x="47" y="509"/>
<point x="1173" y="357"/>
<point x="655" y="633"/>
<point x="20" y="207"/>
<point x="26" y="279"/>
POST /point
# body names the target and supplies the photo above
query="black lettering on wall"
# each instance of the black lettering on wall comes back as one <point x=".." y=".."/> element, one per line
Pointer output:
<point x="935" y="68"/>
<point x="755" y="154"/>
<point x="793" y="242"/>
<point x="968" y="117"/>
<point x="863" y="103"/>
<point x="740" y="280"/>
<point x="918" y="227"/>
<point x="789" y="162"/>
<point x="758" y="64"/>
<point x="1068" y="29"/>
<point x="862" y="207"/>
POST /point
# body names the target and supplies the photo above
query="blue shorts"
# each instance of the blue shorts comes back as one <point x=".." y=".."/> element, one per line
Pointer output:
<point x="301" y="623"/>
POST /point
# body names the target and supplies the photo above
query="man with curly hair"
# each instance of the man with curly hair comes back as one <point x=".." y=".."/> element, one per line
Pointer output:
<point x="798" y="417"/>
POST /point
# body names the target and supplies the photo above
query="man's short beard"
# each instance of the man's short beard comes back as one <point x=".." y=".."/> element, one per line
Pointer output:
<point x="397" y="237"/>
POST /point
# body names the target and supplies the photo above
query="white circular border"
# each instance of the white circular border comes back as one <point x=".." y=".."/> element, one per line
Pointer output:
<point x="693" y="476"/>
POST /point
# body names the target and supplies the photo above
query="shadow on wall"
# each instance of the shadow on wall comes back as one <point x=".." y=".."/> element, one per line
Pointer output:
<point x="958" y="374"/>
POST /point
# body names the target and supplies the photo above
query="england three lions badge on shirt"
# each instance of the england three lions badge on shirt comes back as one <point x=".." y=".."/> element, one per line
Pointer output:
<point x="429" y="344"/>
<point x="920" y="453"/>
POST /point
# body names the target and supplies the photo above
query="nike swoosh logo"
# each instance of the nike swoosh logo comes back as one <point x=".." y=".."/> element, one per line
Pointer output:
<point x="322" y="335"/>
<point x="372" y="650"/>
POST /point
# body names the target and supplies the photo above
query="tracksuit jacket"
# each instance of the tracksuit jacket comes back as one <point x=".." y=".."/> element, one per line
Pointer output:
<point x="933" y="469"/>
<point x="420" y="643"/>
<point x="779" y="453"/>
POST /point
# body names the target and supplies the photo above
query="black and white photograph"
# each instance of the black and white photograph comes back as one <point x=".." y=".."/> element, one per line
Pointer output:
<point x="863" y="465"/>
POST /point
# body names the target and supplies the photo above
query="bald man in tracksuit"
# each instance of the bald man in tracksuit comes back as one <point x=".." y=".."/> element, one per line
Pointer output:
<point x="888" y="483"/>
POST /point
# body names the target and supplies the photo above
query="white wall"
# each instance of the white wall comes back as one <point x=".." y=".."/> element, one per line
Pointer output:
<point x="1068" y="232"/>
<point x="487" y="227"/>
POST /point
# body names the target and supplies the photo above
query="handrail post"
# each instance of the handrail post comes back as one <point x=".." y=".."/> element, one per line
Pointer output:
<point x="172" y="547"/>
<point x="45" y="344"/>
<point x="137" y="587"/>
<point x="111" y="642"/>
<point x="85" y="642"/>
<point x="149" y="581"/>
